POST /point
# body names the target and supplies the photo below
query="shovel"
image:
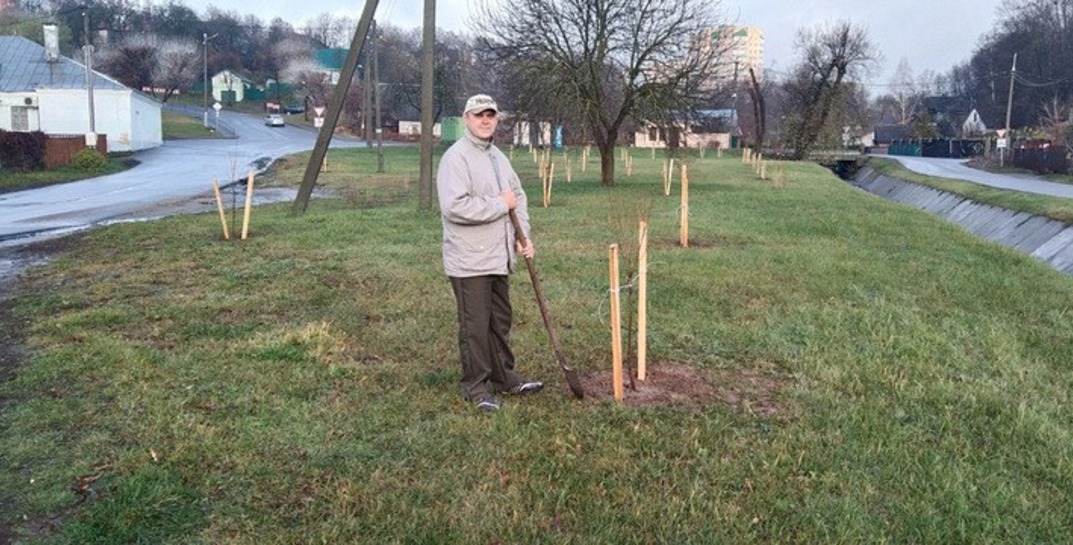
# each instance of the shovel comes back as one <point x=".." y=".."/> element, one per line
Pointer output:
<point x="571" y="375"/>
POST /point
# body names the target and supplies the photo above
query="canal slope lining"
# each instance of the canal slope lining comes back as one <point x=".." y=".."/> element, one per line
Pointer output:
<point x="1044" y="238"/>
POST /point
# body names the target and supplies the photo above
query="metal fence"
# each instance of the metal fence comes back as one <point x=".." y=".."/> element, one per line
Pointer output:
<point x="1051" y="160"/>
<point x="938" y="147"/>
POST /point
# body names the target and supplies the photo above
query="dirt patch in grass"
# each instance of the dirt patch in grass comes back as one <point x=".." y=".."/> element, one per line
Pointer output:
<point x="670" y="384"/>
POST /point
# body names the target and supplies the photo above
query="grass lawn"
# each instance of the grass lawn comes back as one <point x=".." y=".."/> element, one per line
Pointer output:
<point x="301" y="387"/>
<point x="181" y="127"/>
<point x="1044" y="205"/>
<point x="17" y="181"/>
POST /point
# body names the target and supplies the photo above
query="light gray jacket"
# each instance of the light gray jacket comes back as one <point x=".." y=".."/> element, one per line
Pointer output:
<point x="478" y="238"/>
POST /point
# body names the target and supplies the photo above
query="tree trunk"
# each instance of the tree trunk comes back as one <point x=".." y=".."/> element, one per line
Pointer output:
<point x="607" y="162"/>
<point x="759" y="110"/>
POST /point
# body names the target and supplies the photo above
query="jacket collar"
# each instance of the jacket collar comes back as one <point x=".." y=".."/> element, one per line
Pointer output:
<point x="480" y="143"/>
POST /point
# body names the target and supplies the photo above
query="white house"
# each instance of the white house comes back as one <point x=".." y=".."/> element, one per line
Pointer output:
<point x="230" y="87"/>
<point x="47" y="92"/>
<point x="707" y="129"/>
<point x="413" y="128"/>
<point x="973" y="126"/>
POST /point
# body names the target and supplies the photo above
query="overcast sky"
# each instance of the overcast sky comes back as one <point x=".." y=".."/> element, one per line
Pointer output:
<point x="931" y="34"/>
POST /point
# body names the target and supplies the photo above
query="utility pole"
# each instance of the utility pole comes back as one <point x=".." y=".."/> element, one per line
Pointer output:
<point x="87" y="50"/>
<point x="205" y="76"/>
<point x="1009" y="111"/>
<point x="335" y="107"/>
<point x="379" y="128"/>
<point x="428" y="48"/>
<point x="367" y="91"/>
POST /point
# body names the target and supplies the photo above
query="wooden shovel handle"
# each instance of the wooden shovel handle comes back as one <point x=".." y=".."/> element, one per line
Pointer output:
<point x="538" y="289"/>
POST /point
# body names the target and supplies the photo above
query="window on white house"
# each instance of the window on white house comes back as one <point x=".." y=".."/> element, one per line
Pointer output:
<point x="20" y="118"/>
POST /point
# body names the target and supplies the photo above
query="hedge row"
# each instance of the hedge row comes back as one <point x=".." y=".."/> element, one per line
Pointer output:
<point x="22" y="150"/>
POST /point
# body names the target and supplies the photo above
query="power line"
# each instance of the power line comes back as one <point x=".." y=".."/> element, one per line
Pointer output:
<point x="1029" y="83"/>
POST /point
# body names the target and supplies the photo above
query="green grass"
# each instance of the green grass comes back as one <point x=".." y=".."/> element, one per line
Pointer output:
<point x="301" y="387"/>
<point x="1054" y="207"/>
<point x="179" y="127"/>
<point x="17" y="181"/>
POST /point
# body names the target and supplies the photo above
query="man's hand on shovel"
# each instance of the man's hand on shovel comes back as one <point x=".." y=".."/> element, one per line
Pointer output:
<point x="525" y="250"/>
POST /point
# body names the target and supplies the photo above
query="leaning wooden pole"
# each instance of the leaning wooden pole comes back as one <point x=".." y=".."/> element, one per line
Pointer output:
<point x="220" y="208"/>
<point x="616" y="326"/>
<point x="642" y="301"/>
<point x="335" y="107"/>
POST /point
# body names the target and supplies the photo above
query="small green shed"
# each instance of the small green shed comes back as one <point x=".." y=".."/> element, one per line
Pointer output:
<point x="452" y="129"/>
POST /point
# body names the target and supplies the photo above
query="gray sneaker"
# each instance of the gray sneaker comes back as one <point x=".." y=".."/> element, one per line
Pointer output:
<point x="529" y="387"/>
<point x="487" y="403"/>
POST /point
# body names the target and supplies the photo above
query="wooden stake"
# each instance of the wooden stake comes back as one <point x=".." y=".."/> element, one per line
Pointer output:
<point x="670" y="178"/>
<point x="653" y="152"/>
<point x="702" y="152"/>
<point x="629" y="164"/>
<point x="544" y="191"/>
<point x="249" y="206"/>
<point x="616" y="327"/>
<point x="324" y="165"/>
<point x="220" y="208"/>
<point x="666" y="177"/>
<point x="551" y="181"/>
<point x="763" y="171"/>
<point x="569" y="170"/>
<point x="684" y="229"/>
<point x="512" y="153"/>
<point x="719" y="153"/>
<point x="642" y="301"/>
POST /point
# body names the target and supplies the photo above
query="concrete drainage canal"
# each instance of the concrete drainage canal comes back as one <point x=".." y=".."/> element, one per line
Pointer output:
<point x="1044" y="238"/>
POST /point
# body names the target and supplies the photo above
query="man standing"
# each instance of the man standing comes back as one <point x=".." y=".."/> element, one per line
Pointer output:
<point x="477" y="189"/>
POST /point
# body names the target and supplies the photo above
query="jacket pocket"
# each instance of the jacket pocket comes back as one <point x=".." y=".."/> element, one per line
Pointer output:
<point x="481" y="239"/>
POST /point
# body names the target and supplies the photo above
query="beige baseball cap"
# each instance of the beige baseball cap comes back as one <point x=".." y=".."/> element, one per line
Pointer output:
<point x="480" y="103"/>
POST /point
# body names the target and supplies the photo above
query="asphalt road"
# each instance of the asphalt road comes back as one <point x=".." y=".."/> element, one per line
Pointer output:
<point x="178" y="170"/>
<point x="956" y="168"/>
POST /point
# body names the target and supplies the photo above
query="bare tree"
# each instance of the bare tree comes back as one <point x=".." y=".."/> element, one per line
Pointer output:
<point x="756" y="94"/>
<point x="323" y="28"/>
<point x="830" y="55"/>
<point x="176" y="66"/>
<point x="607" y="60"/>
<point x="903" y="89"/>
<point x="163" y="66"/>
<point x="1057" y="121"/>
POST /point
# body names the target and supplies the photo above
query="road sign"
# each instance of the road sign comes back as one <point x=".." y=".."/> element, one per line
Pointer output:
<point x="319" y="110"/>
<point x="217" y="106"/>
<point x="1001" y="133"/>
<point x="1003" y="143"/>
<point x="318" y="122"/>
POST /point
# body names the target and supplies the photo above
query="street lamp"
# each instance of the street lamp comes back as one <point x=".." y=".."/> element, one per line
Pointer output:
<point x="205" y="81"/>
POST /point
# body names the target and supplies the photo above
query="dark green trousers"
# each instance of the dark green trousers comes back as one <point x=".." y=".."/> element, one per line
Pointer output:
<point x="484" y="318"/>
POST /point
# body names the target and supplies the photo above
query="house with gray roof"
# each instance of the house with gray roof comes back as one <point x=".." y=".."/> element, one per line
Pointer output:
<point x="41" y="90"/>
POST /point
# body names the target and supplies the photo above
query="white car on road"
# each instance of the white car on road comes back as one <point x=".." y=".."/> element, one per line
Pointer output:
<point x="275" y="120"/>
